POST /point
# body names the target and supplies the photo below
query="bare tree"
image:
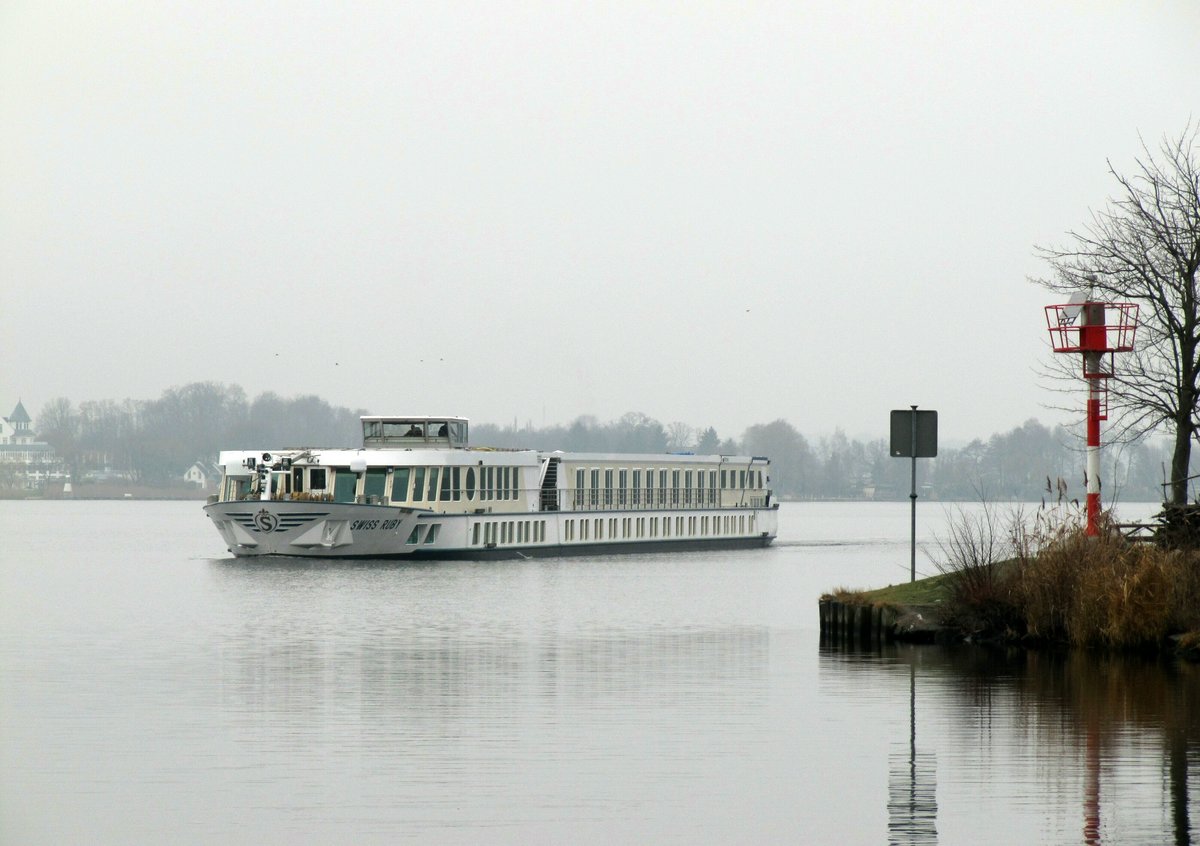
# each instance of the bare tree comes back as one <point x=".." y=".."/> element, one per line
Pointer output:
<point x="58" y="425"/>
<point x="1145" y="247"/>
<point x="680" y="436"/>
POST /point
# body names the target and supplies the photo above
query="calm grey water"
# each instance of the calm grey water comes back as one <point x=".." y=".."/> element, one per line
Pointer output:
<point x="154" y="690"/>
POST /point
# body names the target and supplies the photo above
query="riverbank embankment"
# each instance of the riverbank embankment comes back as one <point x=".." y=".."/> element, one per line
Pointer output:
<point x="1088" y="592"/>
<point x="109" y="490"/>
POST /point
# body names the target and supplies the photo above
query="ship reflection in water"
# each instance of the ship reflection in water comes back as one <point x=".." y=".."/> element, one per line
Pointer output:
<point x="432" y="675"/>
<point x="1109" y="734"/>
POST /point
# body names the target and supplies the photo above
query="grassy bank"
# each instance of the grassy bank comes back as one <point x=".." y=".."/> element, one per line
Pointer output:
<point x="1060" y="587"/>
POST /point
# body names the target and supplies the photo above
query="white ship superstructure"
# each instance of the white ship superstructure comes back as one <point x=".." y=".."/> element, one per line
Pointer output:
<point x="416" y="489"/>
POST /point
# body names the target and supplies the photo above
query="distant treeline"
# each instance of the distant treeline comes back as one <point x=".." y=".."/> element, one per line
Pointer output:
<point x="155" y="441"/>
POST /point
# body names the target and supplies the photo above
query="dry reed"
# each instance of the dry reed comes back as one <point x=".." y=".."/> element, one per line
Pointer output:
<point x="1064" y="586"/>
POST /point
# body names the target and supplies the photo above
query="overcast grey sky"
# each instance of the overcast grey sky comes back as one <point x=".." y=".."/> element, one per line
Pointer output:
<point x="715" y="213"/>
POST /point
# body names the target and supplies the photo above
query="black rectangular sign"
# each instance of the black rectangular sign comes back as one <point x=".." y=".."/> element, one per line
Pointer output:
<point x="902" y="433"/>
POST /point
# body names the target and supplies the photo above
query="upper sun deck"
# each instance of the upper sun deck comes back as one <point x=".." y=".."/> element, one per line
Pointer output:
<point x="415" y="432"/>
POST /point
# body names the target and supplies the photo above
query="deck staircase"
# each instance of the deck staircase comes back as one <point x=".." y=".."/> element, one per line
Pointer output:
<point x="549" y="498"/>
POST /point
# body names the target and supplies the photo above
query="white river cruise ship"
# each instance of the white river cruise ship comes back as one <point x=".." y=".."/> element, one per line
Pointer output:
<point x="416" y="489"/>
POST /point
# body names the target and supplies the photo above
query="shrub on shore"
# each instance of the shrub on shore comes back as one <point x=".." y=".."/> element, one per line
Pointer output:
<point x="1050" y="582"/>
<point x="1108" y="591"/>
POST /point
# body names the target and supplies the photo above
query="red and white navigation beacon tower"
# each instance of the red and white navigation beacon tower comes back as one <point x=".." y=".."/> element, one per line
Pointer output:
<point x="1097" y="330"/>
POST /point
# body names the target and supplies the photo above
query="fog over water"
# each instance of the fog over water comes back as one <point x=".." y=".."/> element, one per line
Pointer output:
<point x="720" y="214"/>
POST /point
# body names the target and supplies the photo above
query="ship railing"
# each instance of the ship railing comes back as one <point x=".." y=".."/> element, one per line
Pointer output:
<point x="630" y="499"/>
<point x="588" y="499"/>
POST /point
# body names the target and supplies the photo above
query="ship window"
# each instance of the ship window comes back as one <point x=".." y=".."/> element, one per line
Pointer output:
<point x="580" y="480"/>
<point x="414" y="535"/>
<point x="662" y="487"/>
<point x="345" y="484"/>
<point x="457" y="484"/>
<point x="674" y="487"/>
<point x="687" y="486"/>
<point x="505" y="473"/>
<point x="375" y="483"/>
<point x="316" y="479"/>
<point x="470" y="483"/>
<point x="594" y="499"/>
<point x="608" y="487"/>
<point x="400" y="484"/>
<point x="446" y="484"/>
<point x="623" y="485"/>
<point x="516" y="483"/>
<point x="637" y="486"/>
<point x="475" y="535"/>
<point x="431" y="535"/>
<point x="297" y="479"/>
<point x="433" y="483"/>
<point x="236" y="488"/>
<point x="418" y="493"/>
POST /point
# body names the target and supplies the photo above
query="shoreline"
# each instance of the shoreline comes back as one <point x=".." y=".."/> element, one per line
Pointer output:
<point x="872" y="618"/>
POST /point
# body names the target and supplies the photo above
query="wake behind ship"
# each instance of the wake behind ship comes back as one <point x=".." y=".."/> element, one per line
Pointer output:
<point x="416" y="489"/>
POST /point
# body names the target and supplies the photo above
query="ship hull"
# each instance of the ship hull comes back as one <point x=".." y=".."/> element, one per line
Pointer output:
<point x="327" y="530"/>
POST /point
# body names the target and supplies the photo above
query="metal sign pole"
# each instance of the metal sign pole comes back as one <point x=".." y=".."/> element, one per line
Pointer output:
<point x="916" y="440"/>
<point x="912" y="576"/>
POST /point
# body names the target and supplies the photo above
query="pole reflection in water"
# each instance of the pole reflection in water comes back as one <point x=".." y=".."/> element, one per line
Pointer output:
<point x="912" y="786"/>
<point x="1032" y="738"/>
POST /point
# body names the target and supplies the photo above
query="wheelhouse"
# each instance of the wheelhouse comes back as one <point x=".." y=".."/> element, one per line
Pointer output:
<point x="415" y="432"/>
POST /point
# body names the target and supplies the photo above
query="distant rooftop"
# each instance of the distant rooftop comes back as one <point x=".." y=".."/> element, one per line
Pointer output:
<point x="19" y="415"/>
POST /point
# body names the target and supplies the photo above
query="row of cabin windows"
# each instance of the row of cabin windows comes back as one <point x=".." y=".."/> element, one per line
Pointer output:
<point x="633" y="528"/>
<point x="500" y="532"/>
<point x="621" y="487"/>
<point x="441" y="484"/>
<point x="399" y="484"/>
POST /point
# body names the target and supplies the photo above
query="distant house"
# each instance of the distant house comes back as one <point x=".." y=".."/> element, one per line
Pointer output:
<point x="24" y="460"/>
<point x="204" y="475"/>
